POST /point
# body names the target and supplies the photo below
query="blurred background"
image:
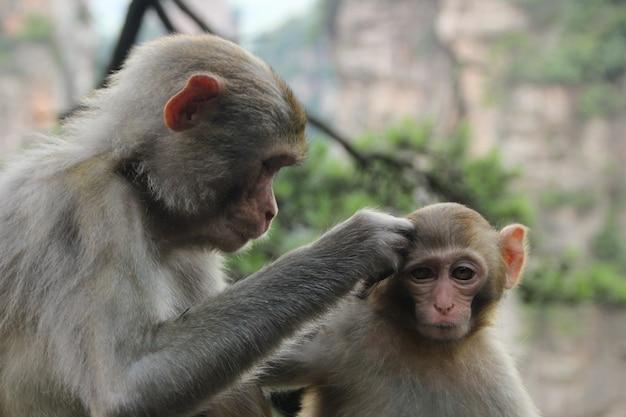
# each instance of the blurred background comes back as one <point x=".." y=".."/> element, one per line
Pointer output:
<point x="516" y="108"/>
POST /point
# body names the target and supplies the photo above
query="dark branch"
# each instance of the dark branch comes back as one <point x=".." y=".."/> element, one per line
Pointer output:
<point x="343" y="141"/>
<point x="193" y="16"/>
<point x="163" y="17"/>
<point x="136" y="10"/>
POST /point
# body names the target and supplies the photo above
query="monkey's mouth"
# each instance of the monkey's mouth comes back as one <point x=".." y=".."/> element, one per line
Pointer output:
<point x="443" y="330"/>
<point x="438" y="328"/>
<point x="444" y="326"/>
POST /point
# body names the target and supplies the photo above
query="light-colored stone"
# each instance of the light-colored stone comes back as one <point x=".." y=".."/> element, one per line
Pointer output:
<point x="389" y="66"/>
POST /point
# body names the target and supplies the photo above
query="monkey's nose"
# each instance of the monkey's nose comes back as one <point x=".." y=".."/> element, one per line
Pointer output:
<point x="444" y="309"/>
<point x="269" y="215"/>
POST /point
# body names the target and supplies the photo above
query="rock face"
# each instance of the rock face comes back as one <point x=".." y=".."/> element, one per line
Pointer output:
<point x="535" y="127"/>
<point x="389" y="64"/>
<point x="572" y="358"/>
<point x="46" y="64"/>
<point x="465" y="27"/>
<point x="432" y="59"/>
<point x="48" y="55"/>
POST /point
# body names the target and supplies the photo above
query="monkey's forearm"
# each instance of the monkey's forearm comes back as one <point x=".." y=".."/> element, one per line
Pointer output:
<point x="209" y="347"/>
<point x="296" y="364"/>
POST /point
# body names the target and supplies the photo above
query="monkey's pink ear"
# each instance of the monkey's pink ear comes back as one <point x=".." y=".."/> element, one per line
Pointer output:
<point x="183" y="109"/>
<point x="513" y="247"/>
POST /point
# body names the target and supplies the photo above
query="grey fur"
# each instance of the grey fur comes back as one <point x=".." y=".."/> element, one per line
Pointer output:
<point x="106" y="308"/>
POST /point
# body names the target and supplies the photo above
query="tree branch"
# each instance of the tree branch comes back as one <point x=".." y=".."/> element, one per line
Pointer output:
<point x="193" y="16"/>
<point x="128" y="35"/>
<point x="163" y="17"/>
<point x="340" y="139"/>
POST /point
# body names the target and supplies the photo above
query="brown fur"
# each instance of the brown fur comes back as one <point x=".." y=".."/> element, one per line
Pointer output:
<point x="369" y="358"/>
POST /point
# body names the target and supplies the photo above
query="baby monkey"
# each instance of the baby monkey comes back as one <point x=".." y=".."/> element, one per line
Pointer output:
<point x="419" y="344"/>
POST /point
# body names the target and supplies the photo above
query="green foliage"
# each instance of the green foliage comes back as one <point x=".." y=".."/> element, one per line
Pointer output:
<point x="481" y="183"/>
<point x="608" y="245"/>
<point x="601" y="100"/>
<point x="567" y="278"/>
<point x="561" y="282"/>
<point x="330" y="186"/>
<point x="6" y="49"/>
<point x="36" y="28"/>
<point x="589" y="45"/>
<point x="581" y="200"/>
<point x="404" y="135"/>
<point x="574" y="42"/>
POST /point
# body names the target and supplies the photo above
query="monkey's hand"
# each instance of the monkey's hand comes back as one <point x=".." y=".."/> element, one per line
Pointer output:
<point x="370" y="245"/>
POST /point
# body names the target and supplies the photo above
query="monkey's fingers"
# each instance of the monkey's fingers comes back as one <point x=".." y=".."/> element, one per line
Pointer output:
<point x="397" y="255"/>
<point x="409" y="232"/>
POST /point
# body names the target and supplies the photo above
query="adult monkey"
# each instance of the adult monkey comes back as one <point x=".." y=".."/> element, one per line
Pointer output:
<point x="419" y="343"/>
<point x="112" y="302"/>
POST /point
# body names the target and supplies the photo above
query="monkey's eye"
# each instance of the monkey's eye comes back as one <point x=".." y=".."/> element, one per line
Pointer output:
<point x="267" y="167"/>
<point x="275" y="163"/>
<point x="463" y="273"/>
<point x="422" y="272"/>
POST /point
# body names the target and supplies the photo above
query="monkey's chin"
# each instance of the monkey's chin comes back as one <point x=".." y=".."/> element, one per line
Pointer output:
<point x="230" y="246"/>
<point x="444" y="332"/>
<point x="232" y="241"/>
<point x="239" y="238"/>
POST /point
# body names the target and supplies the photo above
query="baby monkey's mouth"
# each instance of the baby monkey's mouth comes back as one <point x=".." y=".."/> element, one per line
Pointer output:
<point x="443" y="331"/>
<point x="438" y="328"/>
<point x="444" y="326"/>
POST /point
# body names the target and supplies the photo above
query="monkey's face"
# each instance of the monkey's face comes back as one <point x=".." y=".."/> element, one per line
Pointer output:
<point x="227" y="138"/>
<point x="458" y="269"/>
<point x="252" y="206"/>
<point x="443" y="286"/>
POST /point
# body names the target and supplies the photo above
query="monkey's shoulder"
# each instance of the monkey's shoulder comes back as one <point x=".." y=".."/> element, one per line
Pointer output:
<point x="352" y="324"/>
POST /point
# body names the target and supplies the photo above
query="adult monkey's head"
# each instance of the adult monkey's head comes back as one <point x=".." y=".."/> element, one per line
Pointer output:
<point x="200" y="128"/>
<point x="455" y="274"/>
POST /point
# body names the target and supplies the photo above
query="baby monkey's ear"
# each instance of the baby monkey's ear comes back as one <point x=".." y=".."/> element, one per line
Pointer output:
<point x="514" y="250"/>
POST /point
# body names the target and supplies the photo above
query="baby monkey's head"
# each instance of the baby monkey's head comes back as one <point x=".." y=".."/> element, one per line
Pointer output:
<point x="456" y="272"/>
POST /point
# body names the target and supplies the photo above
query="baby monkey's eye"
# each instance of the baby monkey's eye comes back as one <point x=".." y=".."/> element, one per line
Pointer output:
<point x="422" y="272"/>
<point x="463" y="273"/>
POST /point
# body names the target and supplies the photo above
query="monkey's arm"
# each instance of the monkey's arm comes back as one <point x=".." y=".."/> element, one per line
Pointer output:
<point x="174" y="367"/>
